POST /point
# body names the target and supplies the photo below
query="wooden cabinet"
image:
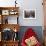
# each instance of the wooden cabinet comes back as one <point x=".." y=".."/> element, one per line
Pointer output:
<point x="5" y="13"/>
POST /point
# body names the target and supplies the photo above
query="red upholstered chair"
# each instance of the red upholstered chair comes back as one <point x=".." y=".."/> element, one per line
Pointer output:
<point x="29" y="33"/>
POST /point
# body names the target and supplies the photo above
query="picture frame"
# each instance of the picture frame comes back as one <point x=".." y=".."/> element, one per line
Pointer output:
<point x="5" y="12"/>
<point x="29" y="14"/>
<point x="6" y="34"/>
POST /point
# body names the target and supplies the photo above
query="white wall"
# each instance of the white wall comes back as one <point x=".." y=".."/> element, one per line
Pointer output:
<point x="32" y="4"/>
<point x="6" y="3"/>
<point x="27" y="4"/>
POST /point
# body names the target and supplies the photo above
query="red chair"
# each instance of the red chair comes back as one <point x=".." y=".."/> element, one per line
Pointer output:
<point x="29" y="33"/>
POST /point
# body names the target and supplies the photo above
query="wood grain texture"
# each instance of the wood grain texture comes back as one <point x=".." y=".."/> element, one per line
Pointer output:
<point x="11" y="26"/>
<point x="9" y="43"/>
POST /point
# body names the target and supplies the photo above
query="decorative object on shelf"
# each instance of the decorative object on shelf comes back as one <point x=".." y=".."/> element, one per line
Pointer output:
<point x="29" y="14"/>
<point x="15" y="30"/>
<point x="13" y="20"/>
<point x="5" y="12"/>
<point x="13" y="12"/>
<point x="15" y="36"/>
<point x="6" y="21"/>
<point x="7" y="34"/>
<point x="15" y="3"/>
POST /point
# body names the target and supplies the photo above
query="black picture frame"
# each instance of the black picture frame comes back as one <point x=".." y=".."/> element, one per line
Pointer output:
<point x="29" y="14"/>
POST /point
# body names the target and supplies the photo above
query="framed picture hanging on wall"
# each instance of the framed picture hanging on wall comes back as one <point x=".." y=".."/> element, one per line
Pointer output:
<point x="29" y="14"/>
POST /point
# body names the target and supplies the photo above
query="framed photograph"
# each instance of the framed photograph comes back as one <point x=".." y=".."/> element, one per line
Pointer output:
<point x="29" y="14"/>
<point x="5" y="12"/>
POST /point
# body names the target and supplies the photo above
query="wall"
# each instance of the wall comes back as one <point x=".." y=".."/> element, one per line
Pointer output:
<point x="24" y="4"/>
<point x="32" y="4"/>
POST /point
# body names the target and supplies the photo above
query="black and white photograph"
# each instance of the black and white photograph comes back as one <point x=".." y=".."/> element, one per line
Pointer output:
<point x="29" y="14"/>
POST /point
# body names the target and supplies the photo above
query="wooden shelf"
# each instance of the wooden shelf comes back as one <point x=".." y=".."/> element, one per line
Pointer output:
<point x="9" y="43"/>
<point x="10" y="26"/>
<point x="6" y="12"/>
<point x="9" y="8"/>
<point x="4" y="24"/>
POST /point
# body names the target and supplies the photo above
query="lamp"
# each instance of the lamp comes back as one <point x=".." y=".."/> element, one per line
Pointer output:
<point x="15" y="3"/>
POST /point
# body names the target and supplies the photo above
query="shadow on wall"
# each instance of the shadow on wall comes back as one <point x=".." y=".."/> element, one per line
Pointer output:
<point x="37" y="29"/>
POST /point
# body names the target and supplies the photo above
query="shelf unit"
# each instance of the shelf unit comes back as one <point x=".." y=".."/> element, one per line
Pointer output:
<point x="6" y="12"/>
